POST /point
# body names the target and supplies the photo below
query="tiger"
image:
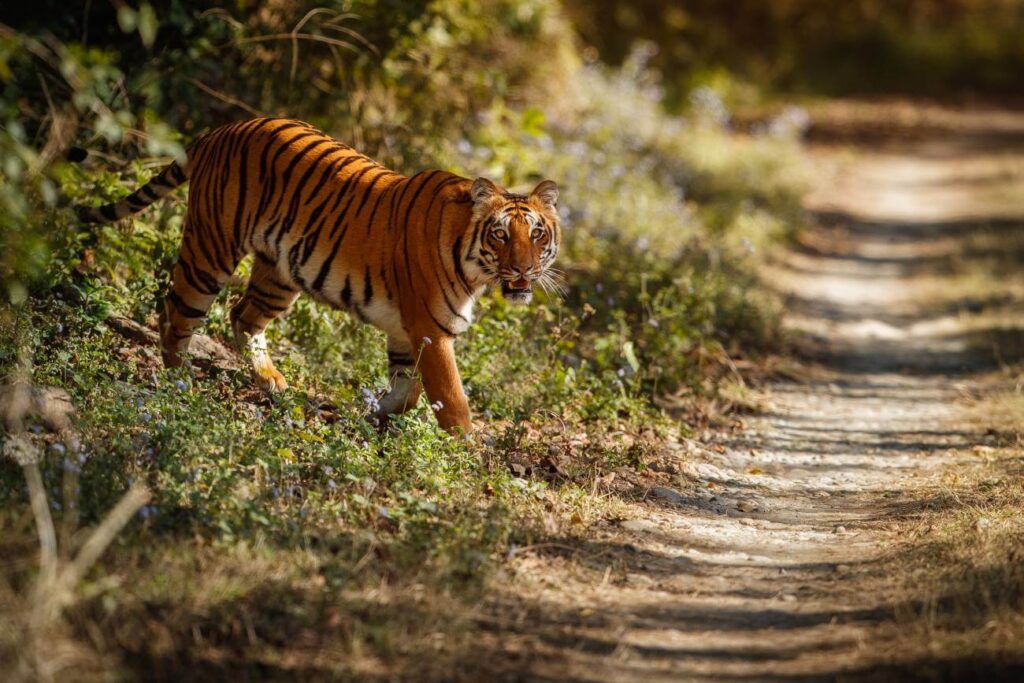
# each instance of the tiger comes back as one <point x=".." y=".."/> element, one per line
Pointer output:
<point x="410" y="255"/>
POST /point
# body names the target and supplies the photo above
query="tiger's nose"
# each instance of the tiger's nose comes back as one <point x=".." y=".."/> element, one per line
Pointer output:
<point x="521" y="282"/>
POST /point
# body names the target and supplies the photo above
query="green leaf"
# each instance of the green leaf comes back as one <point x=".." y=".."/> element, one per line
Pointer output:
<point x="148" y="24"/>
<point x="630" y="354"/>
<point x="127" y="18"/>
<point x="533" y="121"/>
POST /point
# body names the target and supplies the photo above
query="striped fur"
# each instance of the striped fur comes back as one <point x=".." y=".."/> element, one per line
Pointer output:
<point x="157" y="188"/>
<point x="410" y="255"/>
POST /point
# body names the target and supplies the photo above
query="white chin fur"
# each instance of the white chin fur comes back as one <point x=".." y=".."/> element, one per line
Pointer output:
<point x="518" y="297"/>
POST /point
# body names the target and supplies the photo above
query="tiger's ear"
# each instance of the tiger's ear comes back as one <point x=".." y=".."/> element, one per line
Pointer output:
<point x="547" y="193"/>
<point x="483" y="190"/>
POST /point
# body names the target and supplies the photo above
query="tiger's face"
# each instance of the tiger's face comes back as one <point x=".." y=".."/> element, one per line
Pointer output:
<point x="516" y="238"/>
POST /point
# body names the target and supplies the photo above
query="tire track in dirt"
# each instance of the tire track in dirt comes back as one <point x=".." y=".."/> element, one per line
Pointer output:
<point x="776" y="553"/>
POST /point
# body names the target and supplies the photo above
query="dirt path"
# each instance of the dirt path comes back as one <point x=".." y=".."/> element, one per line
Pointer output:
<point x="779" y="553"/>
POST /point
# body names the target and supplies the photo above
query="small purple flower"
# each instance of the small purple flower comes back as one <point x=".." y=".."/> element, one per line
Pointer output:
<point x="370" y="399"/>
<point x="331" y="484"/>
<point x="58" y="448"/>
<point x="792" y="122"/>
<point x="384" y="512"/>
<point x="139" y="402"/>
<point x="71" y="466"/>
<point x="147" y="511"/>
<point x="708" y="106"/>
<point x="653" y="322"/>
<point x="427" y="341"/>
<point x="59" y="328"/>
<point x="146" y="417"/>
<point x="180" y="385"/>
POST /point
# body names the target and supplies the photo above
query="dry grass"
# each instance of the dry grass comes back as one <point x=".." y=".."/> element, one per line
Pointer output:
<point x="969" y="573"/>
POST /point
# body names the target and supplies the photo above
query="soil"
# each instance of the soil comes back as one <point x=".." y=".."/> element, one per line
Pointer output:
<point x="784" y="551"/>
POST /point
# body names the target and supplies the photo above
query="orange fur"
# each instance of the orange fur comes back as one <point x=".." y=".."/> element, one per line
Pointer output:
<point x="409" y="255"/>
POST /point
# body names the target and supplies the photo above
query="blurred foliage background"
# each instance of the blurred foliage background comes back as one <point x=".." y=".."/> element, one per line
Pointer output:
<point x="936" y="48"/>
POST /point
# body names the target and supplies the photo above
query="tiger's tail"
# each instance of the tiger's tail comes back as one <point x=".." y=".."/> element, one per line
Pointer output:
<point x="159" y="187"/>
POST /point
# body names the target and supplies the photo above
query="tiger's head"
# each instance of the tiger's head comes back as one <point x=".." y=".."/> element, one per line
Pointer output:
<point x="516" y="238"/>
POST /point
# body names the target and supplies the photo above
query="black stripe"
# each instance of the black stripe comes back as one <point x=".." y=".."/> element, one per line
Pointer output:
<point x="311" y="235"/>
<point x="369" y="191"/>
<point x="287" y="174"/>
<point x="404" y="226"/>
<point x="460" y="273"/>
<point x="266" y="307"/>
<point x="270" y="187"/>
<point x="266" y="150"/>
<point x="318" y="281"/>
<point x="437" y="322"/>
<point x="346" y="293"/>
<point x="213" y="257"/>
<point x="193" y="278"/>
<point x="253" y="288"/>
<point x="293" y="209"/>
<point x="440" y="257"/>
<point x="367" y="288"/>
<point x="352" y="182"/>
<point x="384" y="280"/>
<point x="183" y="308"/>
<point x="376" y="205"/>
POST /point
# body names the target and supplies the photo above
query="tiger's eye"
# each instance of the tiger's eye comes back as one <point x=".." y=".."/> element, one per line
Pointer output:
<point x="536" y="234"/>
<point x="500" y="235"/>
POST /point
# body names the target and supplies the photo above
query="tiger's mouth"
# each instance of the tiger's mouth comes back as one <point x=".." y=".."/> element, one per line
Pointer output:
<point x="517" y="291"/>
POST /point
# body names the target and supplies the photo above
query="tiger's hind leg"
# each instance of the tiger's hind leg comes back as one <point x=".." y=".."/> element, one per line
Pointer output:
<point x="266" y="298"/>
<point x="197" y="278"/>
<point x="405" y="386"/>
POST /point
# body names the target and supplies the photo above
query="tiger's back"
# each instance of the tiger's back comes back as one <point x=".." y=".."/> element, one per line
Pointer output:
<point x="326" y="216"/>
